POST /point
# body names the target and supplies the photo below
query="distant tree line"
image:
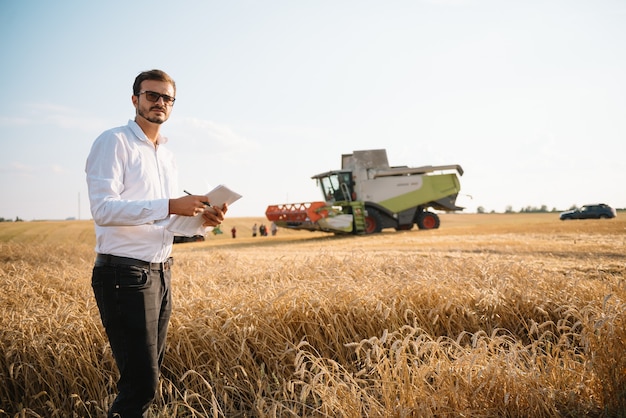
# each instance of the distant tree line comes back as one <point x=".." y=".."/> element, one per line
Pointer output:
<point x="479" y="209"/>
<point x="527" y="209"/>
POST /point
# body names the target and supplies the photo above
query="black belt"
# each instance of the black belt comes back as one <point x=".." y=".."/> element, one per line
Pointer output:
<point x="114" y="260"/>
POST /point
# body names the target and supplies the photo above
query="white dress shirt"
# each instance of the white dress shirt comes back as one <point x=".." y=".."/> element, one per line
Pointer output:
<point x="130" y="183"/>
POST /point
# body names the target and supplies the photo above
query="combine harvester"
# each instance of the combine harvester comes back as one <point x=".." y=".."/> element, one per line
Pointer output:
<point x="367" y="195"/>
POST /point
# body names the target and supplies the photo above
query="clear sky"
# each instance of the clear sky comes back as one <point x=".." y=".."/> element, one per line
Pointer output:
<point x="529" y="97"/>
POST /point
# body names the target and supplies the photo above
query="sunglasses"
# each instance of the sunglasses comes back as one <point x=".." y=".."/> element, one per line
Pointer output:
<point x="153" y="96"/>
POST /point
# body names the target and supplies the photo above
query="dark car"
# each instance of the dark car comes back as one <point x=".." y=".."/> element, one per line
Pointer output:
<point x="598" y="211"/>
<point x="195" y="238"/>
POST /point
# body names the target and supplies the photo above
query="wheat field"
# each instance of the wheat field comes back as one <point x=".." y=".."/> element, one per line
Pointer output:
<point x="492" y="315"/>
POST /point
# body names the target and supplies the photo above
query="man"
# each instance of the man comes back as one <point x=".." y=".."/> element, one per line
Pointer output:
<point x="132" y="179"/>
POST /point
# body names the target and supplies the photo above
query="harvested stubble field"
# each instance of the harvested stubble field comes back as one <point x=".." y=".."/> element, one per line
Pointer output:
<point x="491" y="315"/>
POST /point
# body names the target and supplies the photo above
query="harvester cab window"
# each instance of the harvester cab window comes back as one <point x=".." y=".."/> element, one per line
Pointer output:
<point x="337" y="187"/>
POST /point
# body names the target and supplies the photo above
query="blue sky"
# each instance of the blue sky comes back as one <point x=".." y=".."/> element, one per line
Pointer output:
<point x="529" y="97"/>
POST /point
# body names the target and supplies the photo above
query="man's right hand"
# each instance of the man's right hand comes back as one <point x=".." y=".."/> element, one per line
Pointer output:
<point x="191" y="205"/>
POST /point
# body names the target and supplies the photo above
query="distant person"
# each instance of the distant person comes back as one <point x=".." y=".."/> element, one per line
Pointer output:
<point x="254" y="230"/>
<point x="273" y="228"/>
<point x="233" y="232"/>
<point x="262" y="230"/>
<point x="132" y="181"/>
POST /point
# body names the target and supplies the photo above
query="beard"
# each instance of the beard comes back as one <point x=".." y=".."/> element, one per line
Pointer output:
<point x="158" y="119"/>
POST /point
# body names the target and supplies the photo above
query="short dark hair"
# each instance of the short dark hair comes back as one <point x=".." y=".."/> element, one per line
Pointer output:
<point x="157" y="75"/>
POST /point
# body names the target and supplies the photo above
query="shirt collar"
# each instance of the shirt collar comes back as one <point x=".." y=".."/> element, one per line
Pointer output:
<point x="141" y="135"/>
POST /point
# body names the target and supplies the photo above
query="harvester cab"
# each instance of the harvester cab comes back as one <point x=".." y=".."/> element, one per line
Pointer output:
<point x="336" y="186"/>
<point x="367" y="195"/>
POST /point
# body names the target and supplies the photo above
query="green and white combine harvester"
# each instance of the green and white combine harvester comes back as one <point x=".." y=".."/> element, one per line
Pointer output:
<point x="367" y="195"/>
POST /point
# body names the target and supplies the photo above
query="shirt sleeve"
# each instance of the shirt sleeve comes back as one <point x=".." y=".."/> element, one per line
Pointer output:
<point x="112" y="204"/>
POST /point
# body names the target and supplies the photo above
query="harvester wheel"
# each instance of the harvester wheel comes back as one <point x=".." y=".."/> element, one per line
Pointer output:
<point x="373" y="222"/>
<point x="427" y="220"/>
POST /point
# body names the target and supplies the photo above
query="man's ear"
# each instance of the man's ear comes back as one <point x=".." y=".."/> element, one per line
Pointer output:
<point x="135" y="100"/>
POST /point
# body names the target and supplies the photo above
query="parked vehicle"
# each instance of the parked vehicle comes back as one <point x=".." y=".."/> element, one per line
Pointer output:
<point x="368" y="195"/>
<point x="180" y="239"/>
<point x="598" y="211"/>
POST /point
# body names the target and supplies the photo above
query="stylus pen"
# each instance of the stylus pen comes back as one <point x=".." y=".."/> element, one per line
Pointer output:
<point x="207" y="204"/>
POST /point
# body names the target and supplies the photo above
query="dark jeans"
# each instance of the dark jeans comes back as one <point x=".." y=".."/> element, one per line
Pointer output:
<point x="135" y="304"/>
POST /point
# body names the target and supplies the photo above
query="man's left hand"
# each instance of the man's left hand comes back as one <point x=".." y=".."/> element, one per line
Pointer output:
<point x="213" y="216"/>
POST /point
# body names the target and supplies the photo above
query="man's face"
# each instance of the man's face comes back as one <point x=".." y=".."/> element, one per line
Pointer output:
<point x="159" y="110"/>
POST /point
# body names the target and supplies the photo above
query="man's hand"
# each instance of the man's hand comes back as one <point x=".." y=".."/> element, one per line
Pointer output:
<point x="213" y="216"/>
<point x="191" y="205"/>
